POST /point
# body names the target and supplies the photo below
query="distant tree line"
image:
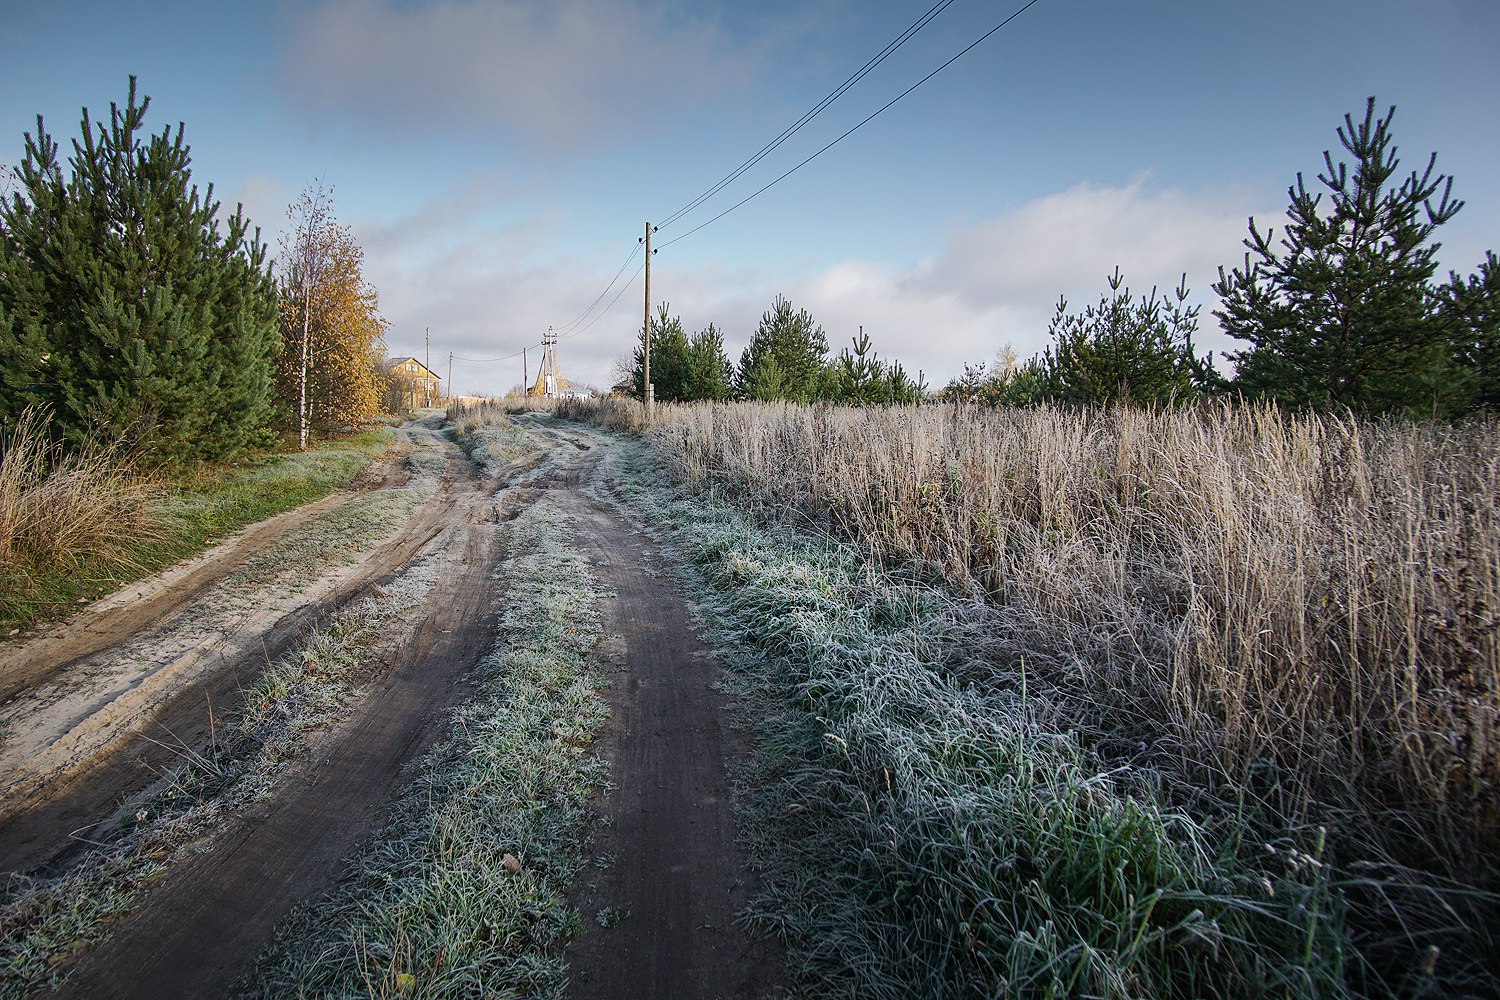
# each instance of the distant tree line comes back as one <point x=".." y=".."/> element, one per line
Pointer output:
<point x="787" y="359"/>
<point x="1342" y="312"/>
<point x="133" y="310"/>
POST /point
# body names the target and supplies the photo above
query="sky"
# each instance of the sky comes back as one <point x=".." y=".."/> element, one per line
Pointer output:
<point x="498" y="161"/>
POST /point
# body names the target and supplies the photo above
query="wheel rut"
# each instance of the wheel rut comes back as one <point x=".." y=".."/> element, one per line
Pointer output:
<point x="659" y="917"/>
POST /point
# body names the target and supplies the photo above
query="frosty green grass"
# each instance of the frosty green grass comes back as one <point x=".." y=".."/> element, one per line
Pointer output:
<point x="463" y="894"/>
<point x="933" y="822"/>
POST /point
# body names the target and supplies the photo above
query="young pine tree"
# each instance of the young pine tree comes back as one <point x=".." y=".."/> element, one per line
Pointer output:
<point x="785" y="356"/>
<point x="123" y="308"/>
<point x="1340" y="313"/>
<point x="1126" y="350"/>
<point x="669" y="358"/>
<point x="1472" y="306"/>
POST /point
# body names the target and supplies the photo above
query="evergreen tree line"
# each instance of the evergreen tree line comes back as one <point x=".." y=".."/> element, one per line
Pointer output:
<point x="132" y="310"/>
<point x="787" y="359"/>
<point x="1342" y="312"/>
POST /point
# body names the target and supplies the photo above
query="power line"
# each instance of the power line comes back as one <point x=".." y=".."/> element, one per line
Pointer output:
<point x="880" y="57"/>
<point x="600" y="315"/>
<point x="492" y="361"/>
<point x="598" y="298"/>
<point x="856" y="128"/>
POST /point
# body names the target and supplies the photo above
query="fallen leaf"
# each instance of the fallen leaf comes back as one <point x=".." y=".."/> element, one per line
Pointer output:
<point x="510" y="864"/>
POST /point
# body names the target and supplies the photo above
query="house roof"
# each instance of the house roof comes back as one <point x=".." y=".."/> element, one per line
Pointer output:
<point x="394" y="363"/>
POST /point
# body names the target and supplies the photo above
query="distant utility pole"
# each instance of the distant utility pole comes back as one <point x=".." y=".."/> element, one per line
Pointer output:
<point x="650" y="400"/>
<point x="450" y="374"/>
<point x="427" y="333"/>
<point x="525" y="374"/>
<point x="547" y="373"/>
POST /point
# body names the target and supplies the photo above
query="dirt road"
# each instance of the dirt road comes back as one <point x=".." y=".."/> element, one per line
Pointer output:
<point x="99" y="711"/>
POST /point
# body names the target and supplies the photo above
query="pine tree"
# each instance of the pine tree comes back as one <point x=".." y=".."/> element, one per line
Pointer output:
<point x="122" y="307"/>
<point x="1126" y="350"/>
<point x="684" y="369"/>
<point x="859" y="377"/>
<point x="1472" y="305"/>
<point x="785" y="356"/>
<point x="710" y="376"/>
<point x="1341" y="313"/>
<point x="669" y="358"/>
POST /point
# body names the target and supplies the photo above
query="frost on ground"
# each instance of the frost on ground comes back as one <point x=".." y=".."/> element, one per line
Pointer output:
<point x="494" y="446"/>
<point x="294" y="704"/>
<point x="934" y="814"/>
<point x="463" y="893"/>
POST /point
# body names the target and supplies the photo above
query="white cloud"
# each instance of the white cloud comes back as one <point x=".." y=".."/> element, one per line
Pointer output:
<point x="998" y="282"/>
<point x="555" y="70"/>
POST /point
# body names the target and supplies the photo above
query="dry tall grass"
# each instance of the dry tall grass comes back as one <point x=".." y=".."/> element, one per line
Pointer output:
<point x="60" y="509"/>
<point x="467" y="415"/>
<point x="1301" y="608"/>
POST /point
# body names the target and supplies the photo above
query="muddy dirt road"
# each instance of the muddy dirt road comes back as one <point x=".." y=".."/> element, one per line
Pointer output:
<point x="100" y="710"/>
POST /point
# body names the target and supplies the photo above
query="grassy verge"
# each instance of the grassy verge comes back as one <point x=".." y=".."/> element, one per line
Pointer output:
<point x="73" y="528"/>
<point x="463" y="893"/>
<point x="946" y="816"/>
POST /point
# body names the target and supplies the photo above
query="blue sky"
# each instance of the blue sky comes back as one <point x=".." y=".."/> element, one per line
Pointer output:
<point x="498" y="160"/>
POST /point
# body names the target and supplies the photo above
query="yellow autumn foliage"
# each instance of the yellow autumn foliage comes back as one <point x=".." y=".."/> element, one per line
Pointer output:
<point x="324" y="291"/>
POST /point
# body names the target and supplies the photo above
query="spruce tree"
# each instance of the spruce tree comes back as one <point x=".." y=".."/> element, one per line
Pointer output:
<point x="122" y="306"/>
<point x="1340" y="312"/>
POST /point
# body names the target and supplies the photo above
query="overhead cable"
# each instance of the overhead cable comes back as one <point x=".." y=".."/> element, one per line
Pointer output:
<point x="598" y="298"/>
<point x="491" y="361"/>
<point x="600" y="314"/>
<point x="856" y="128"/>
<point x="792" y="129"/>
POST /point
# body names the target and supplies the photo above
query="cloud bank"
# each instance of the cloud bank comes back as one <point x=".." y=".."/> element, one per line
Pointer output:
<point x="992" y="283"/>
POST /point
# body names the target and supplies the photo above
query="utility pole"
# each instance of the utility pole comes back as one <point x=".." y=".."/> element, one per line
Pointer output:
<point x="650" y="392"/>
<point x="525" y="374"/>
<point x="427" y="333"/>
<point x="547" y="373"/>
<point x="450" y="374"/>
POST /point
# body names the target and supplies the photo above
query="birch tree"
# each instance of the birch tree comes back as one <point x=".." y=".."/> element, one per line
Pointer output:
<point x="331" y="323"/>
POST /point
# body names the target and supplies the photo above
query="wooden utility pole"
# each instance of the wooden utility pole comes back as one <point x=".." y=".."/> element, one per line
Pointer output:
<point x="525" y="374"/>
<point x="427" y="381"/>
<point x="650" y="400"/>
<point x="547" y="372"/>
<point x="450" y="374"/>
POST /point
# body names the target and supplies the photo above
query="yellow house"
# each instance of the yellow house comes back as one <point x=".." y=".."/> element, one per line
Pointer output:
<point x="413" y="383"/>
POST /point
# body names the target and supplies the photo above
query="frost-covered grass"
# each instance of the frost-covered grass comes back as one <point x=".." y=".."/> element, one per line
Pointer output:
<point x="43" y="919"/>
<point x="493" y="445"/>
<point x="1292" y="619"/>
<point x="935" y="815"/>
<point x="341" y="535"/>
<point x="463" y="894"/>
